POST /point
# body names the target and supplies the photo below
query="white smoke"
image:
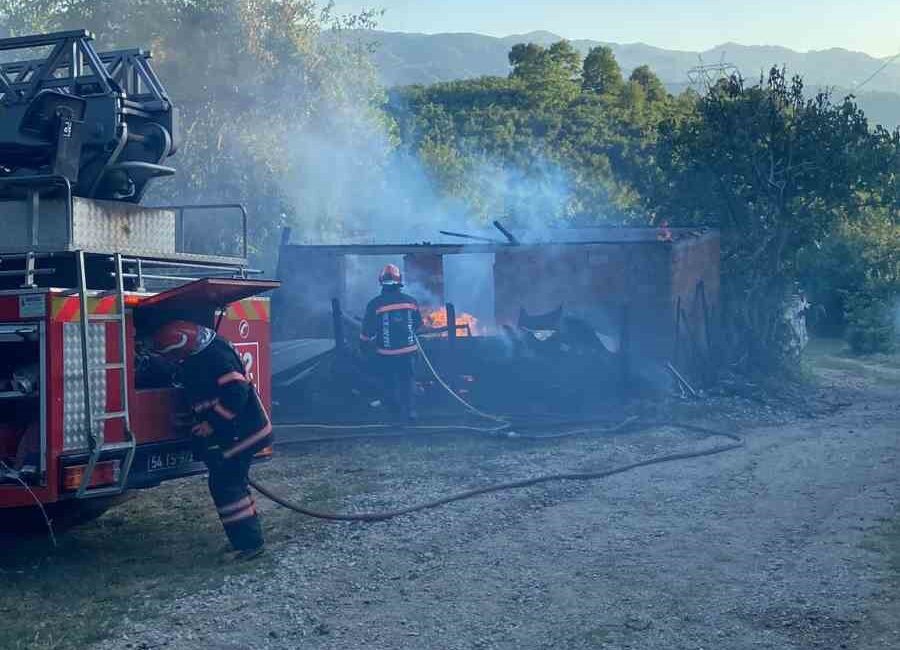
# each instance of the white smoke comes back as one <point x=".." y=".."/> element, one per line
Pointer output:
<point x="351" y="181"/>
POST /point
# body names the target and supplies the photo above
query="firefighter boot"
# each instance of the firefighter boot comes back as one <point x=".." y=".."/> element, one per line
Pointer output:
<point x="250" y="554"/>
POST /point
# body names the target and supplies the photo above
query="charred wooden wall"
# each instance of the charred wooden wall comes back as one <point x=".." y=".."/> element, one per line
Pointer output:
<point x="661" y="284"/>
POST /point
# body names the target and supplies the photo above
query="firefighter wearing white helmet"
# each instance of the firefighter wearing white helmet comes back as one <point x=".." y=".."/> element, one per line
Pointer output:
<point x="389" y="330"/>
<point x="229" y="423"/>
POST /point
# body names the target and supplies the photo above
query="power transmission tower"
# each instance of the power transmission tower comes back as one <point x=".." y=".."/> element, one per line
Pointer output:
<point x="705" y="75"/>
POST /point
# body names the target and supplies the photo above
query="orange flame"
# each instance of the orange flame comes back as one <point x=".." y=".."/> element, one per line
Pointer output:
<point x="435" y="318"/>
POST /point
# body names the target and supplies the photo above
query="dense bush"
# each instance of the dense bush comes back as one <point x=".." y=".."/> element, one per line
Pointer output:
<point x="870" y="322"/>
<point x="855" y="274"/>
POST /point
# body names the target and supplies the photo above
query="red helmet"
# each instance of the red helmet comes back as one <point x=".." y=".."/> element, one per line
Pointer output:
<point x="180" y="339"/>
<point x="390" y="276"/>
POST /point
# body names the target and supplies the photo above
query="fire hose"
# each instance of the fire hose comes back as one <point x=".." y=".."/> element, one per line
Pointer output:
<point x="510" y="485"/>
<point x="14" y="474"/>
<point x="504" y="426"/>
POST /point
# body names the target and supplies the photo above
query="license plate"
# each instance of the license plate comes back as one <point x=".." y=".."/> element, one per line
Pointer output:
<point x="169" y="460"/>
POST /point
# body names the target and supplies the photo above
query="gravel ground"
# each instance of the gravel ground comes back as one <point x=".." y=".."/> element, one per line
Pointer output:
<point x="792" y="542"/>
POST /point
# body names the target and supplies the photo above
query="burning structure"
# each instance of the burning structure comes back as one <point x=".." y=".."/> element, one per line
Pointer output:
<point x="587" y="312"/>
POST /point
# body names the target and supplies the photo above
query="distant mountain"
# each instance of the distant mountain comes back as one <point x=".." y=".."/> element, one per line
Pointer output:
<point x="409" y="58"/>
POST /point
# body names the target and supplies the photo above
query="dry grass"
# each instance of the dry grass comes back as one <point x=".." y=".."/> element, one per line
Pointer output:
<point x="135" y="559"/>
<point x="155" y="546"/>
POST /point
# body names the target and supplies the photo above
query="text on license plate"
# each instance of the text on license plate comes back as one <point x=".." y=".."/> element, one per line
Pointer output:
<point x="169" y="460"/>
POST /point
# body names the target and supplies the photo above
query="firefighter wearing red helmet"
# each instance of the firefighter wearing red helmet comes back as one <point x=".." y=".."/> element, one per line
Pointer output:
<point x="229" y="423"/>
<point x="389" y="328"/>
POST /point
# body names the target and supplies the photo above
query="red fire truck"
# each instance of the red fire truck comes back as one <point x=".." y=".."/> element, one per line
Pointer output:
<point x="87" y="273"/>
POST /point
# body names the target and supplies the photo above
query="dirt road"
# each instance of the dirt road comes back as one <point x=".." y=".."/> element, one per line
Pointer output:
<point x="791" y="542"/>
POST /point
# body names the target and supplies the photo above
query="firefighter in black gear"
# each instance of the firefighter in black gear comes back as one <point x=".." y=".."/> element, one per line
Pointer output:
<point x="229" y="424"/>
<point x="389" y="328"/>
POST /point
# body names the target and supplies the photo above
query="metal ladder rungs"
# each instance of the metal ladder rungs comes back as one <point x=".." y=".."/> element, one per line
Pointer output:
<point x="115" y="446"/>
<point x="114" y="415"/>
<point x="98" y="447"/>
<point x="120" y="365"/>
<point x="111" y="365"/>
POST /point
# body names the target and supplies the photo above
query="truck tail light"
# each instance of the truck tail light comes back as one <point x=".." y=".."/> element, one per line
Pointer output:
<point x="105" y="473"/>
<point x="264" y="453"/>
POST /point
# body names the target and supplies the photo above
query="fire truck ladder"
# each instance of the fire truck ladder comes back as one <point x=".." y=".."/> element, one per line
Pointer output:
<point x="95" y="421"/>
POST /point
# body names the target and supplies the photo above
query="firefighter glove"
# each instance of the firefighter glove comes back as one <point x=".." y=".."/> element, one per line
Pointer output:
<point x="203" y="429"/>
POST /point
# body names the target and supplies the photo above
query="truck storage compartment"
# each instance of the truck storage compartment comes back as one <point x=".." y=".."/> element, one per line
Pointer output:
<point x="21" y="404"/>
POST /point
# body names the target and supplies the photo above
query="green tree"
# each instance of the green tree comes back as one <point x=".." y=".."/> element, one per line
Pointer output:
<point x="601" y="72"/>
<point x="502" y="147"/>
<point x="550" y="75"/>
<point x="564" y="60"/>
<point x="527" y="60"/>
<point x="775" y="170"/>
<point x="853" y="275"/>
<point x="651" y="84"/>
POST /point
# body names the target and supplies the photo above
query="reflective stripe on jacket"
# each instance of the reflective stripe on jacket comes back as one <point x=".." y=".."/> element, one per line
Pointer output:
<point x="391" y="322"/>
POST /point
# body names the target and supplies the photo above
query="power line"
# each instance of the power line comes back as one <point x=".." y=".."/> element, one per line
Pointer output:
<point x="879" y="70"/>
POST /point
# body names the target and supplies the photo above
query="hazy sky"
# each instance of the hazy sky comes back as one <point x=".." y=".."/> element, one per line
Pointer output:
<point x="871" y="26"/>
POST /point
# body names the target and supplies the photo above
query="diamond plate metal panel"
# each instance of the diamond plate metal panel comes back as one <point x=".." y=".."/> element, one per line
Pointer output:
<point x="110" y="226"/>
<point x="75" y="431"/>
<point x="122" y="227"/>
